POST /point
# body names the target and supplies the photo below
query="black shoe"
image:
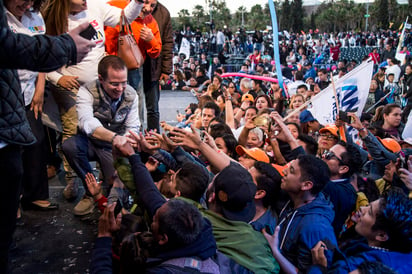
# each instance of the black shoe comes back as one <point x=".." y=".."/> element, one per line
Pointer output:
<point x="31" y="206"/>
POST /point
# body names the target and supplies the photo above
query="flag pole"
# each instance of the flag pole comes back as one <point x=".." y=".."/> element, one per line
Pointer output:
<point x="342" y="127"/>
<point x="402" y="36"/>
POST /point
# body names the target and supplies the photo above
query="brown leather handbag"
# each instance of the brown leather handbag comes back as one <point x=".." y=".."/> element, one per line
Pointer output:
<point x="128" y="49"/>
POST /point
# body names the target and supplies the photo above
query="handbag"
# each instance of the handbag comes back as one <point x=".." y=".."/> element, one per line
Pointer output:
<point x="128" y="49"/>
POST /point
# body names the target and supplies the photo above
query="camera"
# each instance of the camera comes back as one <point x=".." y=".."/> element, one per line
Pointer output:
<point x="343" y="116"/>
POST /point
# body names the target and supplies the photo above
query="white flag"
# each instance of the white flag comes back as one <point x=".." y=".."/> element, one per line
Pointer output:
<point x="352" y="91"/>
<point x="185" y="48"/>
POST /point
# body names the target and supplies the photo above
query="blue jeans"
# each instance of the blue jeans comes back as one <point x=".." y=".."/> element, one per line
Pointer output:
<point x="135" y="77"/>
<point x="152" y="95"/>
<point x="80" y="149"/>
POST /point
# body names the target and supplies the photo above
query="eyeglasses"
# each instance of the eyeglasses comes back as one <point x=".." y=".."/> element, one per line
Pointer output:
<point x="328" y="137"/>
<point x="118" y="84"/>
<point x="330" y="155"/>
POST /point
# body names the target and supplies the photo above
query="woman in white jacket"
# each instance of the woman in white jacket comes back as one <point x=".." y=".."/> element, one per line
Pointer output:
<point x="62" y="16"/>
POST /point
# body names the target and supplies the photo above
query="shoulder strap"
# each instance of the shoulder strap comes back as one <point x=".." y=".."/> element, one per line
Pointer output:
<point x="124" y="24"/>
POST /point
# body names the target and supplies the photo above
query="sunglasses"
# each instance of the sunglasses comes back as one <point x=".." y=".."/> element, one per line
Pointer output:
<point x="330" y="155"/>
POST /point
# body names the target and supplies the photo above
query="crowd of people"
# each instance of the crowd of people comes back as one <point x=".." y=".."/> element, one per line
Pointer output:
<point x="248" y="181"/>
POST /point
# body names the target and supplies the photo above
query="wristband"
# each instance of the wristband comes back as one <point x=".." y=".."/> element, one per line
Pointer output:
<point x="362" y="129"/>
<point x="229" y="98"/>
<point x="114" y="136"/>
<point x="242" y="109"/>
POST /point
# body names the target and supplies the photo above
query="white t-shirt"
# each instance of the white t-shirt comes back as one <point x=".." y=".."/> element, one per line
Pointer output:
<point x="99" y="14"/>
<point x="31" y="23"/>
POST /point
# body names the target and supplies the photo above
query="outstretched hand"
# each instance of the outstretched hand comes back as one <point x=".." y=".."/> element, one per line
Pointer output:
<point x="93" y="186"/>
<point x="190" y="139"/>
<point x="123" y="147"/>
<point x="149" y="143"/>
<point x="164" y="142"/>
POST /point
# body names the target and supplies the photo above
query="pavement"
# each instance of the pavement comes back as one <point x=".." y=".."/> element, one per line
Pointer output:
<point x="59" y="242"/>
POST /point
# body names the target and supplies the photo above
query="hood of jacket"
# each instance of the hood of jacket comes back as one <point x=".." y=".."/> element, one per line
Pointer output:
<point x="203" y="247"/>
<point x="320" y="206"/>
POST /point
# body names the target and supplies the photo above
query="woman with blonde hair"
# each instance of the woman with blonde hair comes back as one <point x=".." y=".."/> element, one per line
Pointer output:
<point x="296" y="101"/>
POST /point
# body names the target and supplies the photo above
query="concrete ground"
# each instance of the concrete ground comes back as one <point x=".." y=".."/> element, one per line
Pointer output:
<point x="59" y="242"/>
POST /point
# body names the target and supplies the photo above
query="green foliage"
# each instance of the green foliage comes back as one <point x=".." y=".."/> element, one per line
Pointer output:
<point x="340" y="15"/>
<point x="285" y="15"/>
<point x="297" y="15"/>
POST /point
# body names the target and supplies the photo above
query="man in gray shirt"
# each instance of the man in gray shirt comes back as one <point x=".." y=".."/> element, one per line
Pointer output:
<point x="107" y="109"/>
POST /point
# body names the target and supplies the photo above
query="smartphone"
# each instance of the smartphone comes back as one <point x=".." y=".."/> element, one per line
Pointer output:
<point x="118" y="208"/>
<point x="403" y="160"/>
<point x="343" y="116"/>
<point x="177" y="112"/>
<point x="271" y="109"/>
<point x="193" y="92"/>
<point x="202" y="135"/>
<point x="88" y="33"/>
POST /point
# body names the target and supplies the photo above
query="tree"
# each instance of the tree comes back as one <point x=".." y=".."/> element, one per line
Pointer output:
<point x="240" y="13"/>
<point x="199" y="15"/>
<point x="380" y="12"/>
<point x="255" y="20"/>
<point x="285" y="15"/>
<point x="184" y="18"/>
<point x="297" y="14"/>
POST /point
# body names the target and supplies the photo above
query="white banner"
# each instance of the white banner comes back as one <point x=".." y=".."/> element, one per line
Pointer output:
<point x="352" y="91"/>
<point x="185" y="48"/>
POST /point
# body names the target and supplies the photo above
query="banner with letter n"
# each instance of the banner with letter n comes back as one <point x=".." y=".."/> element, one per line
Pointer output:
<point x="352" y="91"/>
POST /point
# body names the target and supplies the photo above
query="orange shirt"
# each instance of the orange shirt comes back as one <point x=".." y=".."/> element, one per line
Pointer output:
<point x="151" y="48"/>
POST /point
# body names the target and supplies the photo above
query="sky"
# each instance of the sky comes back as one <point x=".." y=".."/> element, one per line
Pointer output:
<point x="176" y="5"/>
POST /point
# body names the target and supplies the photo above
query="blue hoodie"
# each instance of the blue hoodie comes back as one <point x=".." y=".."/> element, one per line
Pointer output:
<point x="301" y="229"/>
<point x="359" y="252"/>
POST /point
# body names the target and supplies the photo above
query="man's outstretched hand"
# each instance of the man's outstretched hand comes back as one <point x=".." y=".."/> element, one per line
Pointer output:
<point x="125" y="149"/>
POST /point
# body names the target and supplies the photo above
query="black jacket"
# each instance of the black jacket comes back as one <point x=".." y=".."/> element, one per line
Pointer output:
<point x="407" y="82"/>
<point x="18" y="51"/>
<point x="153" y="68"/>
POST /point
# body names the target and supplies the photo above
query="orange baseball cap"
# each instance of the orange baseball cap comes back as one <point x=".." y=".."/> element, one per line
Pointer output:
<point x="248" y="97"/>
<point x="390" y="144"/>
<point x="280" y="169"/>
<point x="330" y="128"/>
<point x="255" y="153"/>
